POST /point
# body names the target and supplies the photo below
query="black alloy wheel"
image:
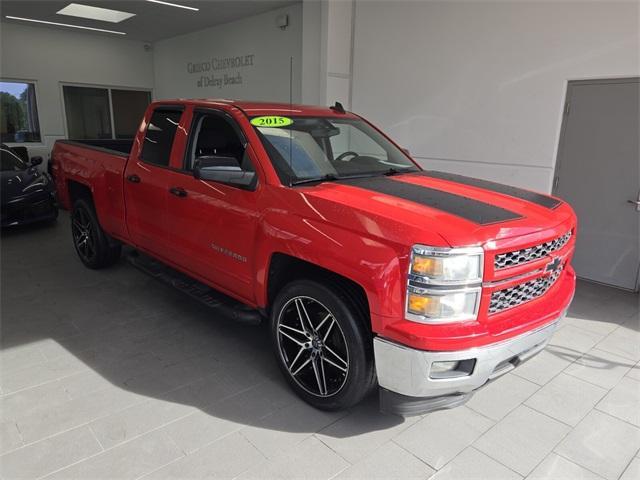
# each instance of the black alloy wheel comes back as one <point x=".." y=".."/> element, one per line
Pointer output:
<point x="92" y="244"/>
<point x="322" y="344"/>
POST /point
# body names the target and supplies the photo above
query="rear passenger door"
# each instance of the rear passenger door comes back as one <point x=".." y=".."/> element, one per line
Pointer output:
<point x="146" y="181"/>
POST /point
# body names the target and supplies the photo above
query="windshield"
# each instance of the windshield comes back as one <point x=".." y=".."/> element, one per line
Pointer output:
<point x="9" y="161"/>
<point x="304" y="149"/>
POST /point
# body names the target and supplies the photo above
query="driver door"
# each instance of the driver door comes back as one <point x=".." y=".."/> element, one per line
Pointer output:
<point x="213" y="225"/>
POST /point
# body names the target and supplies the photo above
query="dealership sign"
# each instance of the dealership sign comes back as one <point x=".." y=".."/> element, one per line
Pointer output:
<point x="220" y="71"/>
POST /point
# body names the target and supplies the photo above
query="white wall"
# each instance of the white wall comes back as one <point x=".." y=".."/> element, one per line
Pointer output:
<point x="51" y="56"/>
<point x="266" y="79"/>
<point x="478" y="87"/>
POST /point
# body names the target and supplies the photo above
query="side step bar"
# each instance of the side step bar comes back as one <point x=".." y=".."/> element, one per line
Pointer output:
<point x="224" y="304"/>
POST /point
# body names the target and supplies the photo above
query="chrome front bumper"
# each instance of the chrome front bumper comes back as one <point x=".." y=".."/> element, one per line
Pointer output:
<point x="404" y="374"/>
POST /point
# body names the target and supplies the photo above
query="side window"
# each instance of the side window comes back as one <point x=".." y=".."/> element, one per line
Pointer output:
<point x="158" y="139"/>
<point x="216" y="137"/>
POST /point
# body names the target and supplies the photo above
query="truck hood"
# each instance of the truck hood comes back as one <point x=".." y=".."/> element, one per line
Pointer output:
<point x="434" y="208"/>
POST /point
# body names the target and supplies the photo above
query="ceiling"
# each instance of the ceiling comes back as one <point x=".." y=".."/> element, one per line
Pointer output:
<point x="152" y="21"/>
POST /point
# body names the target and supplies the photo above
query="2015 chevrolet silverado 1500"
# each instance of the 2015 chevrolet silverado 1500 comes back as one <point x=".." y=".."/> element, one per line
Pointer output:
<point x="371" y="271"/>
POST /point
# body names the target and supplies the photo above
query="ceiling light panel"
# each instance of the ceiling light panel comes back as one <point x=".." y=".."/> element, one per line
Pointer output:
<point x="23" y="19"/>
<point x="95" y="13"/>
<point x="174" y="5"/>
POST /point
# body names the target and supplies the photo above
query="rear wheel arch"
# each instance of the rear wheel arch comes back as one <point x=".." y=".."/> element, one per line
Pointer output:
<point x="79" y="191"/>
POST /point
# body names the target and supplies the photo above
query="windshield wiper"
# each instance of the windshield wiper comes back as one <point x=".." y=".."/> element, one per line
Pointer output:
<point x="329" y="177"/>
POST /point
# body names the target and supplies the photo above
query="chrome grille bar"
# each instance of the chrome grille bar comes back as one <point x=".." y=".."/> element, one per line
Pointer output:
<point x="518" y="257"/>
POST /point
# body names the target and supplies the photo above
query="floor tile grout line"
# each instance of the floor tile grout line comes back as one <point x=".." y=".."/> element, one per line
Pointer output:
<point x="143" y="400"/>
<point x="552" y="449"/>
<point x="393" y="440"/>
<point x="560" y="454"/>
<point x="627" y="465"/>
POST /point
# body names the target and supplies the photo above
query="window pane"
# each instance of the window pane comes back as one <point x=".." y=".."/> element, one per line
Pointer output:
<point x="159" y="137"/>
<point x="128" y="110"/>
<point x="217" y="137"/>
<point x="18" y="113"/>
<point x="352" y="139"/>
<point x="87" y="110"/>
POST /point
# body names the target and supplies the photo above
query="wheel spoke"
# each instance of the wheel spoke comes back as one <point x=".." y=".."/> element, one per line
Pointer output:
<point x="292" y="329"/>
<point x="316" y="372"/>
<point x="284" y="334"/>
<point x="293" y="362"/>
<point x="338" y="357"/>
<point x="326" y="334"/>
<point x="334" y="364"/>
<point x="306" y="362"/>
<point x="303" y="316"/>
<point x="323" y="322"/>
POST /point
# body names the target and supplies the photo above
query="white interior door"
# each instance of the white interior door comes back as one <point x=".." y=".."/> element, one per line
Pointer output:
<point x="598" y="173"/>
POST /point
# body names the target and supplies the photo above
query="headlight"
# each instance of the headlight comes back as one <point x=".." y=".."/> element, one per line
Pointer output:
<point x="447" y="266"/>
<point x="444" y="284"/>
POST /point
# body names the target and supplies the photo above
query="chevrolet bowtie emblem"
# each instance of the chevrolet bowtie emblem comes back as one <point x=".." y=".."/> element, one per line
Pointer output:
<point x="553" y="265"/>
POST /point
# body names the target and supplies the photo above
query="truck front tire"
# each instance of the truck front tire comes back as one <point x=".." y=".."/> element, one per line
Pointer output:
<point x="92" y="244"/>
<point x="322" y="345"/>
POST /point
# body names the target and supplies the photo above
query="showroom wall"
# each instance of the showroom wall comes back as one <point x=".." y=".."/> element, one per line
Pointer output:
<point x="245" y="59"/>
<point x="478" y="87"/>
<point x="50" y="56"/>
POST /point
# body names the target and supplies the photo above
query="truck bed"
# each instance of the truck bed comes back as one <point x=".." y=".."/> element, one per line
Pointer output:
<point x="97" y="165"/>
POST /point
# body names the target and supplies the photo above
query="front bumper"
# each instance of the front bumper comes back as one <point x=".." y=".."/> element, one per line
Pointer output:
<point x="407" y="386"/>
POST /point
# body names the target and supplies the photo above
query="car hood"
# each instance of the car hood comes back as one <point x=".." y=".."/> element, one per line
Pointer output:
<point x="433" y="208"/>
<point x="23" y="183"/>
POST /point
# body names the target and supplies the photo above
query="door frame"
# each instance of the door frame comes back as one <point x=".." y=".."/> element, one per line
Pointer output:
<point x="561" y="142"/>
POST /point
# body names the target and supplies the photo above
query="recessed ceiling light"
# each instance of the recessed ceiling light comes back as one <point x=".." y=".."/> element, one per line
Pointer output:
<point x="95" y="13"/>
<point x="174" y="5"/>
<point x="64" y="25"/>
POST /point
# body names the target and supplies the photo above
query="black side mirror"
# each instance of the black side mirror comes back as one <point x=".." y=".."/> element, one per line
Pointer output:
<point x="223" y="170"/>
<point x="35" y="161"/>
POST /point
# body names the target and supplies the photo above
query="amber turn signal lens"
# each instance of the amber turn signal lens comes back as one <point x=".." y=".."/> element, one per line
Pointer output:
<point x="428" y="266"/>
<point x="421" y="305"/>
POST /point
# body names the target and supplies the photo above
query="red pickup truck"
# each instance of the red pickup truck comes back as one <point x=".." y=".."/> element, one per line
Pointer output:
<point x="371" y="271"/>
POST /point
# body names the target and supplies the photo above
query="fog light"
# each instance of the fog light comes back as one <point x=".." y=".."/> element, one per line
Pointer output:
<point x="441" y="367"/>
<point x="452" y="368"/>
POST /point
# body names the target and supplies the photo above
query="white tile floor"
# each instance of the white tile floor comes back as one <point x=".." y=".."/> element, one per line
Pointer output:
<point x="109" y="374"/>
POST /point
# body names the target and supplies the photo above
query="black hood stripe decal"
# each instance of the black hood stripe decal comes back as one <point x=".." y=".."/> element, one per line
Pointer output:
<point x="533" y="197"/>
<point x="467" y="208"/>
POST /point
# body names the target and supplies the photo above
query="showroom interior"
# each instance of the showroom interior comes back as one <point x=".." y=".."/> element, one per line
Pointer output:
<point x="112" y="374"/>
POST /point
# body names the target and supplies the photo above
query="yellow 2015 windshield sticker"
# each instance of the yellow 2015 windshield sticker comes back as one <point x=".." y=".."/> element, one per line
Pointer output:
<point x="271" y="121"/>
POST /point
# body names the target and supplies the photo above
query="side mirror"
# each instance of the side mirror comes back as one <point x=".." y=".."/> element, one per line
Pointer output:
<point x="406" y="151"/>
<point x="36" y="161"/>
<point x="223" y="170"/>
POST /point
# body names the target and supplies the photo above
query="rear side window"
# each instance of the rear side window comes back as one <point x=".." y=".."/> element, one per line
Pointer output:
<point x="158" y="139"/>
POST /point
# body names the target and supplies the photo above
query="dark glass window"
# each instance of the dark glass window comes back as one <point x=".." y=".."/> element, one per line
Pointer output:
<point x="158" y="139"/>
<point x="88" y="113"/>
<point x="128" y="109"/>
<point x="18" y="113"/>
<point x="216" y="136"/>
<point x="95" y="113"/>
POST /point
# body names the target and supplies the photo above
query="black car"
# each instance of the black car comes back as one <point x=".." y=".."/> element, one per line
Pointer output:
<point x="28" y="195"/>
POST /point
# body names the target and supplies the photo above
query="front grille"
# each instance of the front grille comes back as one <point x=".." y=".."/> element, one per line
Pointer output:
<point x="518" y="257"/>
<point x="519" y="294"/>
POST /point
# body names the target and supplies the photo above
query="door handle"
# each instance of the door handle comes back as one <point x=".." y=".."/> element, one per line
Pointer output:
<point x="178" y="191"/>
<point x="636" y="203"/>
<point x="133" y="178"/>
